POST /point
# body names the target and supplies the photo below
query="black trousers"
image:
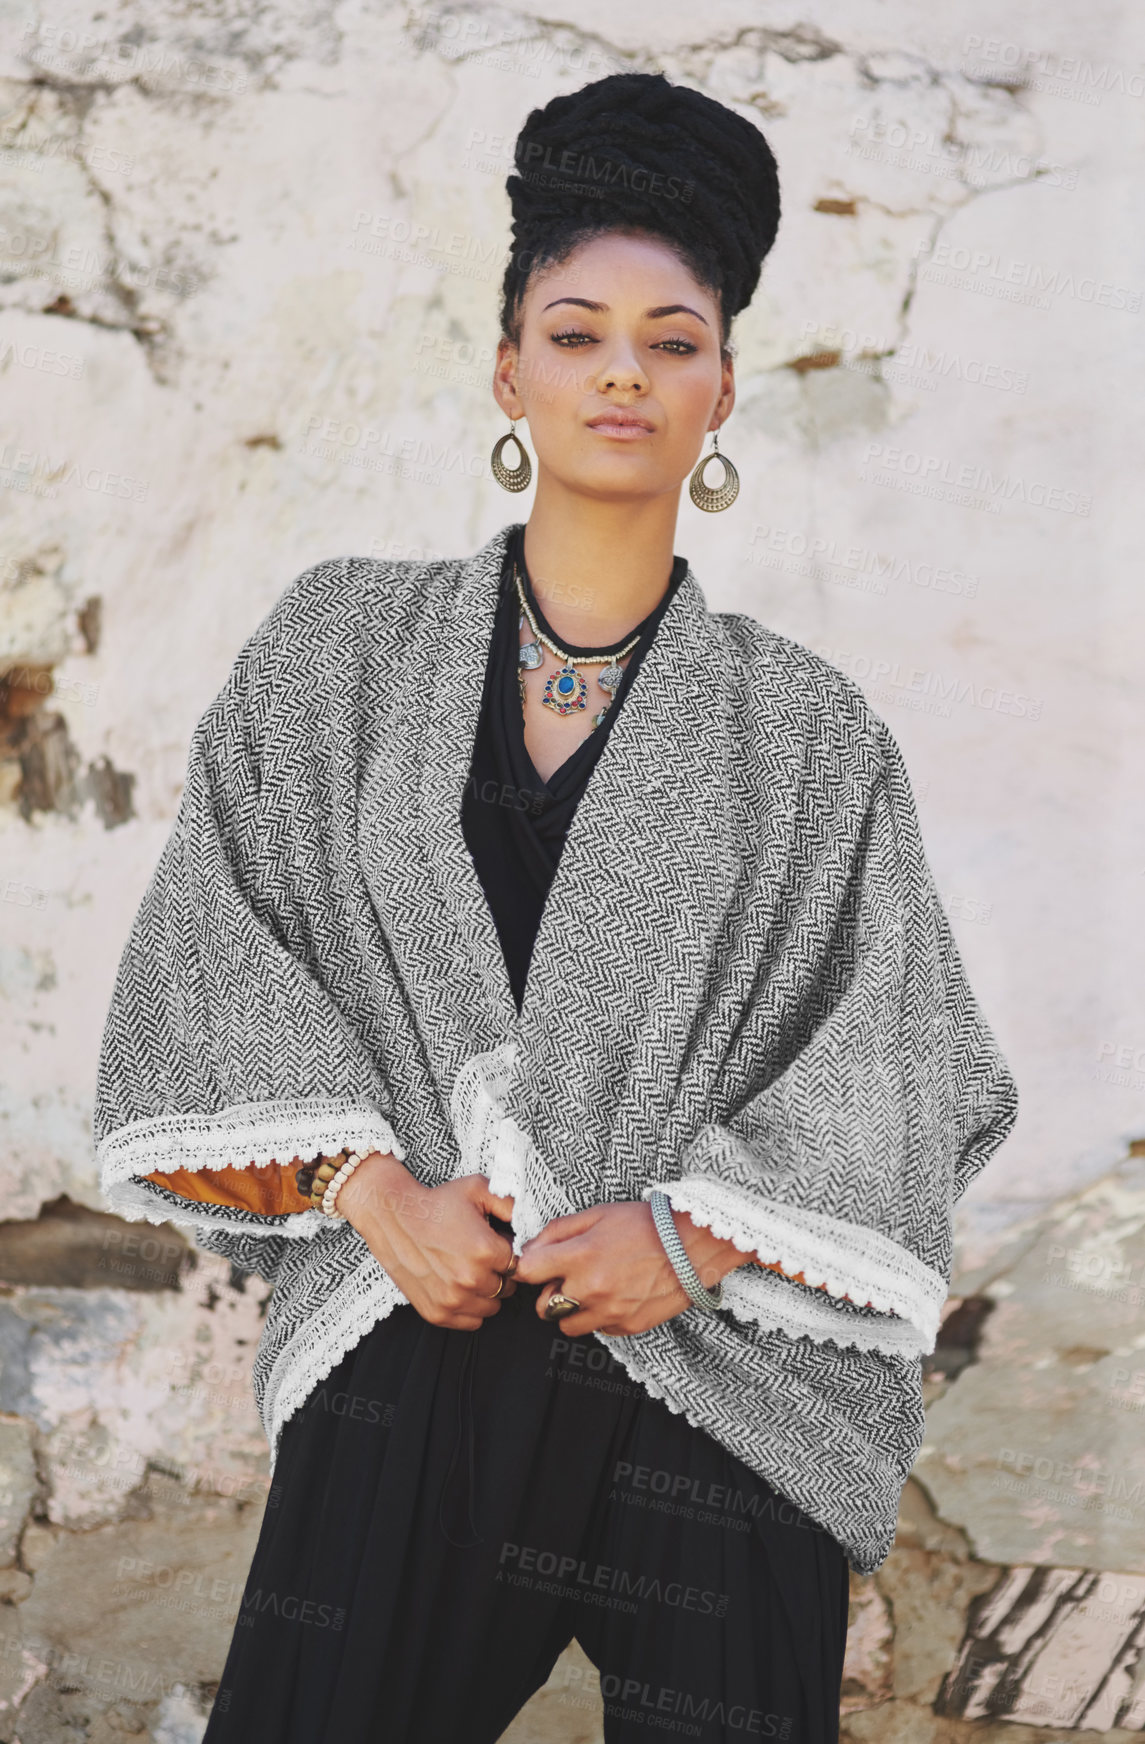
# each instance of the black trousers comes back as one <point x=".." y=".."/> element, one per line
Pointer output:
<point x="450" y="1509"/>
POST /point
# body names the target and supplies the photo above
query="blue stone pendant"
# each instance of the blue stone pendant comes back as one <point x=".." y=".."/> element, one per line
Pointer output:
<point x="565" y="690"/>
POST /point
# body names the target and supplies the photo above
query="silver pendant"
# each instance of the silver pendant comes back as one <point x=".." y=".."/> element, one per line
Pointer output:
<point x="609" y="677"/>
<point x="530" y="654"/>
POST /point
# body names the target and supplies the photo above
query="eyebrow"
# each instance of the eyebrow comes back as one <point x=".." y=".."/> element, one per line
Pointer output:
<point x="653" y="314"/>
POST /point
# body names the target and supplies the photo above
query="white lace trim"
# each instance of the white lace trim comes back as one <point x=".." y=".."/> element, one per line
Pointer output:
<point x="754" y="1294"/>
<point x="492" y="1144"/>
<point x="244" y="1136"/>
<point x="849" y="1259"/>
<point x="363" y="1298"/>
<point x="136" y="1200"/>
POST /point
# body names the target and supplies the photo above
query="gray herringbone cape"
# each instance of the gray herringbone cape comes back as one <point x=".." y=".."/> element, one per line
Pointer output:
<point x="744" y="990"/>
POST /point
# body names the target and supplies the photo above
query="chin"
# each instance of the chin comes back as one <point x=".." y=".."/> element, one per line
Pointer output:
<point x="617" y="490"/>
<point x="617" y="476"/>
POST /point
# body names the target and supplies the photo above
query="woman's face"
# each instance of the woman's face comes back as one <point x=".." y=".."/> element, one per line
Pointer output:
<point x="620" y="327"/>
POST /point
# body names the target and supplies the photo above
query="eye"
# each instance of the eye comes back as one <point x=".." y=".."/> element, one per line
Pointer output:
<point x="574" y="338"/>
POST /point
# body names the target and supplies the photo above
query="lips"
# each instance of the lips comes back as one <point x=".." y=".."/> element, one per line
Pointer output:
<point x="620" y="419"/>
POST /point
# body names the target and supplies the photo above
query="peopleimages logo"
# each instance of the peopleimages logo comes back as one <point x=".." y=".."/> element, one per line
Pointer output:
<point x="935" y="474"/>
<point x="1022" y="280"/>
<point x="910" y="146"/>
<point x="819" y="555"/>
<point x="888" y="676"/>
<point x="993" y="59"/>
<point x="540" y="162"/>
<point x="575" y="1573"/>
<point x="631" y="1698"/>
<point x="290" y="1608"/>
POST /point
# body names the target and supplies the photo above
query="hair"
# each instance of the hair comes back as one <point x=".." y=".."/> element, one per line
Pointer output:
<point x="637" y="155"/>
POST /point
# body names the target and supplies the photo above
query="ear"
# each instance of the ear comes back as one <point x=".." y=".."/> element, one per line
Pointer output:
<point x="505" y="379"/>
<point x="721" y="411"/>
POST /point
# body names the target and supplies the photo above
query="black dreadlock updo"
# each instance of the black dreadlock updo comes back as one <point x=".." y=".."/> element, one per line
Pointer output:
<point x="637" y="154"/>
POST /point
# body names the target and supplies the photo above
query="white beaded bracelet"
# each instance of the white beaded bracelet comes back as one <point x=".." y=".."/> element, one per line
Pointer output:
<point x="338" y="1181"/>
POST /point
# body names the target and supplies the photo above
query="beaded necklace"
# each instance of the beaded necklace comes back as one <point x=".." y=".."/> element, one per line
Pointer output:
<point x="566" y="690"/>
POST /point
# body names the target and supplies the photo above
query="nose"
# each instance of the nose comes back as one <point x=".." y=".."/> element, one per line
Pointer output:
<point x="620" y="370"/>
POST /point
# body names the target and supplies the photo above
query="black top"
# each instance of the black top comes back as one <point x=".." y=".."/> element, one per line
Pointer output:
<point x="513" y="822"/>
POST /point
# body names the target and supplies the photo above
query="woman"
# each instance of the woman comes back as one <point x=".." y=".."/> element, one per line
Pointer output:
<point x="588" y="1062"/>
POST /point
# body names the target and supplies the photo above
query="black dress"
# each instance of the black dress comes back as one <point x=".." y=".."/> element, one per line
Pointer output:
<point x="450" y="1509"/>
<point x="514" y="823"/>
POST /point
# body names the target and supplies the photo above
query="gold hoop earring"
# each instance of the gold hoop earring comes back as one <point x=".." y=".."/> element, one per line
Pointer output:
<point x="723" y="495"/>
<point x="511" y="478"/>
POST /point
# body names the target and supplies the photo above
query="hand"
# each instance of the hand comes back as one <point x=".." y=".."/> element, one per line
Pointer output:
<point x="611" y="1260"/>
<point x="436" y="1243"/>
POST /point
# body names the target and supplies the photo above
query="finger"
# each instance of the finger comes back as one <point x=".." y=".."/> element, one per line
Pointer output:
<point x="569" y="1325"/>
<point x="561" y="1233"/>
<point x="500" y="1283"/>
<point x="535" y="1268"/>
<point x="572" y="1223"/>
<point x="494" y="1248"/>
<point x="551" y="1238"/>
<point x="532" y="1267"/>
<point x="508" y="1268"/>
<point x="558" y="1252"/>
<point x="504" y="1263"/>
<point x="500" y="1204"/>
<point x="563" y="1286"/>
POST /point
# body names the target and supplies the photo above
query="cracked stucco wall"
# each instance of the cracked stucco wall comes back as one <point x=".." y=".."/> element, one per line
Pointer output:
<point x="249" y="263"/>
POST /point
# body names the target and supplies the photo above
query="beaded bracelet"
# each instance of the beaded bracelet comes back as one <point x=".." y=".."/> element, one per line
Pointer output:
<point x="304" y="1177"/>
<point x="322" y="1180"/>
